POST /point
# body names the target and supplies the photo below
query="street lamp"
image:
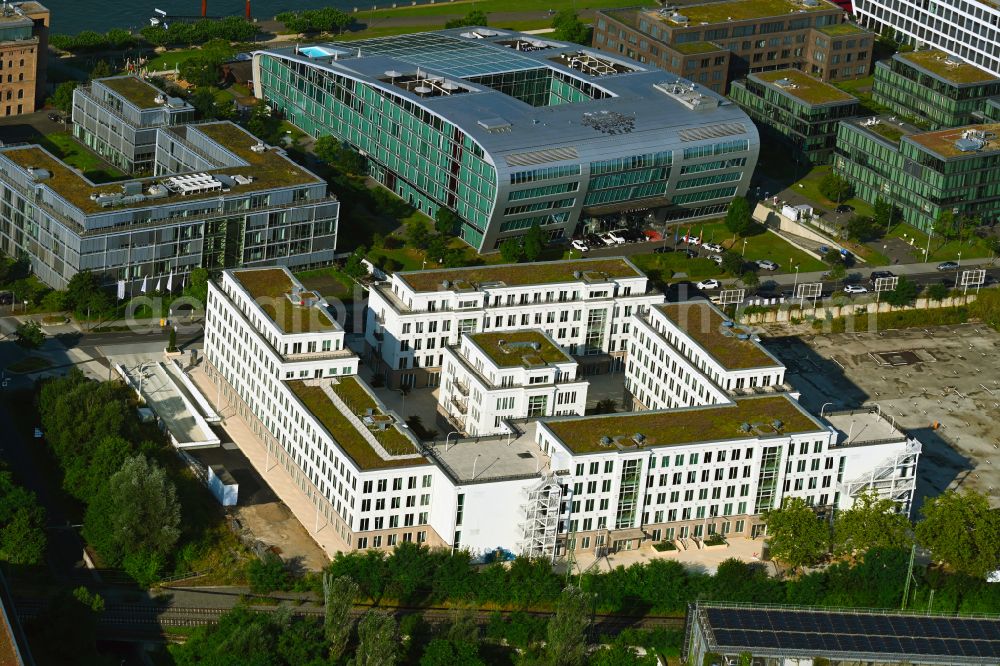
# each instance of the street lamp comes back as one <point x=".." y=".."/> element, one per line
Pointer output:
<point x="448" y="437"/>
<point x="958" y="269"/>
<point x="142" y="374"/>
<point x="744" y="253"/>
<point x="474" y="463"/>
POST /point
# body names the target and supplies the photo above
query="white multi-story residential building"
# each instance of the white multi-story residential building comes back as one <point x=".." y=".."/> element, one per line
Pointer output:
<point x="584" y="305"/>
<point x="491" y="378"/>
<point x="690" y="353"/>
<point x="691" y="472"/>
<point x="969" y="29"/>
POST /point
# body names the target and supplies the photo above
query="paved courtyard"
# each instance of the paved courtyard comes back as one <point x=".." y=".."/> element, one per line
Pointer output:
<point x="705" y="560"/>
<point x="940" y="384"/>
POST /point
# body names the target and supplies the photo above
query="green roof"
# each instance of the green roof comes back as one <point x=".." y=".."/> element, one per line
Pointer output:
<point x="270" y="286"/>
<point x="268" y="169"/>
<point x="804" y="87"/>
<point x="546" y="272"/>
<point x="936" y="63"/>
<point x="887" y="131"/>
<point x="942" y="142"/>
<point x="691" y="48"/>
<point x="134" y="89"/>
<point x="741" y="10"/>
<point x="520" y="348"/>
<point x="692" y="425"/>
<point x="704" y="324"/>
<point x="350" y="440"/>
<point x="838" y="29"/>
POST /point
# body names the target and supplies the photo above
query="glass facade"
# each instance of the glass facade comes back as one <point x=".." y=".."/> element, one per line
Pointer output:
<point x="920" y="182"/>
<point x="414" y="153"/>
<point x="928" y="100"/>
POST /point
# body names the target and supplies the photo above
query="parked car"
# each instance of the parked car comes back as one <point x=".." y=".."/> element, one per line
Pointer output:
<point x="613" y="238"/>
<point x="663" y="249"/>
<point x="713" y="247"/>
<point x="633" y="235"/>
<point x="55" y="117"/>
<point x="691" y="254"/>
<point x="593" y="240"/>
<point x="948" y="266"/>
<point x="767" y="264"/>
<point x="693" y="240"/>
<point x="855" y="289"/>
<point x="709" y="284"/>
<point x="880" y="274"/>
<point x="844" y="208"/>
<point x="580" y="245"/>
<point x="717" y="258"/>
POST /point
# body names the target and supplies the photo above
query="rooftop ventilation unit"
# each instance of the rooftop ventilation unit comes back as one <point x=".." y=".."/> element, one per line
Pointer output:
<point x="259" y="147"/>
<point x="953" y="60"/>
<point x="160" y="99"/>
<point x="38" y="174"/>
<point x="785" y="83"/>
<point x="196" y="183"/>
<point x="678" y="18"/>
<point x="606" y="441"/>
<point x="810" y="3"/>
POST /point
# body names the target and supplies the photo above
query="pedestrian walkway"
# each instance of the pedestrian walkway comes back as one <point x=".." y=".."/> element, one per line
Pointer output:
<point x="706" y="560"/>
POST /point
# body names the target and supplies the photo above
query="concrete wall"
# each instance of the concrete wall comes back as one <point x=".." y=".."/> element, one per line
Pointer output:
<point x="786" y="313"/>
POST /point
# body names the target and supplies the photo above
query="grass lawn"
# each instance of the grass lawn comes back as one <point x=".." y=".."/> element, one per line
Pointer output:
<point x="941" y="250"/>
<point x="329" y="282"/>
<point x="762" y="246"/>
<point x="463" y="7"/>
<point x="809" y="188"/>
<point x="170" y="59"/>
<point x="29" y="364"/>
<point x="74" y="153"/>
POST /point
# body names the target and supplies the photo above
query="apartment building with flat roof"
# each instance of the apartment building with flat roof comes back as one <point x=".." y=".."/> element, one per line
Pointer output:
<point x="933" y="88"/>
<point x="796" y="111"/>
<point x="690" y="353"/>
<point x="583" y="305"/>
<point x="219" y="199"/>
<point x="955" y="170"/>
<point x="24" y="45"/>
<point x="715" y="43"/>
<point x="490" y="379"/>
<point x="117" y="118"/>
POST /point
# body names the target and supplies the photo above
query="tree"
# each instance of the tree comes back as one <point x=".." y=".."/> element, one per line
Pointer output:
<point x="511" y="250"/>
<point x="62" y="96"/>
<point x="79" y="290"/>
<point x="340" y="155"/>
<point x="567" y="631"/>
<point x="22" y="535"/>
<point x="197" y="287"/>
<point x="136" y="511"/>
<point x="750" y="279"/>
<point x="264" y="125"/>
<point x="446" y="221"/>
<point x="945" y="224"/>
<point x="569" y="28"/>
<point x="795" y="534"/>
<point x="54" y="301"/>
<point x="476" y="17"/>
<point x="732" y="263"/>
<point x="738" y="217"/>
<point x="606" y="406"/>
<point x="937" y="291"/>
<point x="862" y="228"/>
<point x="101" y="69"/>
<point x="621" y="654"/>
<point x="338" y="599"/>
<point x="353" y="266"/>
<point x="887" y="214"/>
<point x="872" y="522"/>
<point x="418" y="233"/>
<point x="377" y="640"/>
<point x="534" y="243"/>
<point x="267" y="574"/>
<point x="904" y="294"/>
<point x="29" y="334"/>
<point x="961" y="530"/>
<point x="835" y="188"/>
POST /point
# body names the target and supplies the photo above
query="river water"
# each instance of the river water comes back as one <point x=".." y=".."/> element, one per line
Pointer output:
<point x="72" y="16"/>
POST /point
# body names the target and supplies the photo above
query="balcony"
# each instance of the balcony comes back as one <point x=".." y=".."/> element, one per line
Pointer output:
<point x="461" y="387"/>
<point x="461" y="405"/>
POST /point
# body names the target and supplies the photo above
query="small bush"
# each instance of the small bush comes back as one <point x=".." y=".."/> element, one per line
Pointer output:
<point x="715" y="539"/>
<point x="664" y="546"/>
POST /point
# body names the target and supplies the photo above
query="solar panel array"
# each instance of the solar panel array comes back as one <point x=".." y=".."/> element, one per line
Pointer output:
<point x="820" y="632"/>
<point x="453" y="56"/>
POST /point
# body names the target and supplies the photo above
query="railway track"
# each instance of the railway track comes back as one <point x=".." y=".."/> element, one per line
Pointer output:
<point x="146" y="616"/>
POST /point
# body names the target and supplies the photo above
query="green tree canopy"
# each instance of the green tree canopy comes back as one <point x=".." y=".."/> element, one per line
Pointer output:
<point x="377" y="640"/>
<point x="567" y="631"/>
<point x="62" y="96"/>
<point x="835" y="188"/>
<point x="534" y="243"/>
<point x="136" y="511"/>
<point x="937" y="291"/>
<point x="29" y="334"/>
<point x="872" y="522"/>
<point x="511" y="250"/>
<point x="887" y="215"/>
<point x="961" y="530"/>
<point x="905" y="292"/>
<point x="22" y="523"/>
<point x="796" y="535"/>
<point x="446" y="221"/>
<point x="569" y="28"/>
<point x="738" y="217"/>
<point x="340" y="155"/>
<point x="476" y="17"/>
<point x="863" y="228"/>
<point x="338" y="599"/>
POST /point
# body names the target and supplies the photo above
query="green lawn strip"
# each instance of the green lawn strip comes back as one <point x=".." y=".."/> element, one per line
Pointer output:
<point x="941" y="250"/>
<point x="75" y="154"/>
<point x="29" y="364"/>
<point x="328" y="282"/>
<point x="170" y="59"/>
<point x="809" y="188"/>
<point x="461" y="8"/>
<point x="761" y="246"/>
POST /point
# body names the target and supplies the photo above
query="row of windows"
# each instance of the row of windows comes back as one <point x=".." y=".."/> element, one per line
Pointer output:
<point x="709" y="180"/>
<point x="722" y="148"/>
<point x="547" y="173"/>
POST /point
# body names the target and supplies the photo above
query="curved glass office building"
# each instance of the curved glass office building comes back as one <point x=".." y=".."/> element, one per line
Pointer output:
<point x="507" y="129"/>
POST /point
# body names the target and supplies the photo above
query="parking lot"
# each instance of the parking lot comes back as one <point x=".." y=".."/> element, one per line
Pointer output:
<point x="940" y="384"/>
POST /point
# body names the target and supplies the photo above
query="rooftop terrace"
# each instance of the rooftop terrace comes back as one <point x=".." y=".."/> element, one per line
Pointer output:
<point x="269" y="286"/>
<point x="135" y="90"/>
<point x="840" y="29"/>
<point x="269" y="169"/>
<point x="704" y="324"/>
<point x="960" y="141"/>
<point x="801" y="86"/>
<point x="520" y="348"/>
<point x="351" y="441"/>
<point x="518" y="275"/>
<point x="955" y="71"/>
<point x="691" y="425"/>
<point x="886" y="127"/>
<point x="740" y="10"/>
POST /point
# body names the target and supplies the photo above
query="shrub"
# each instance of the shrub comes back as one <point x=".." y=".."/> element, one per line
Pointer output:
<point x="664" y="546"/>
